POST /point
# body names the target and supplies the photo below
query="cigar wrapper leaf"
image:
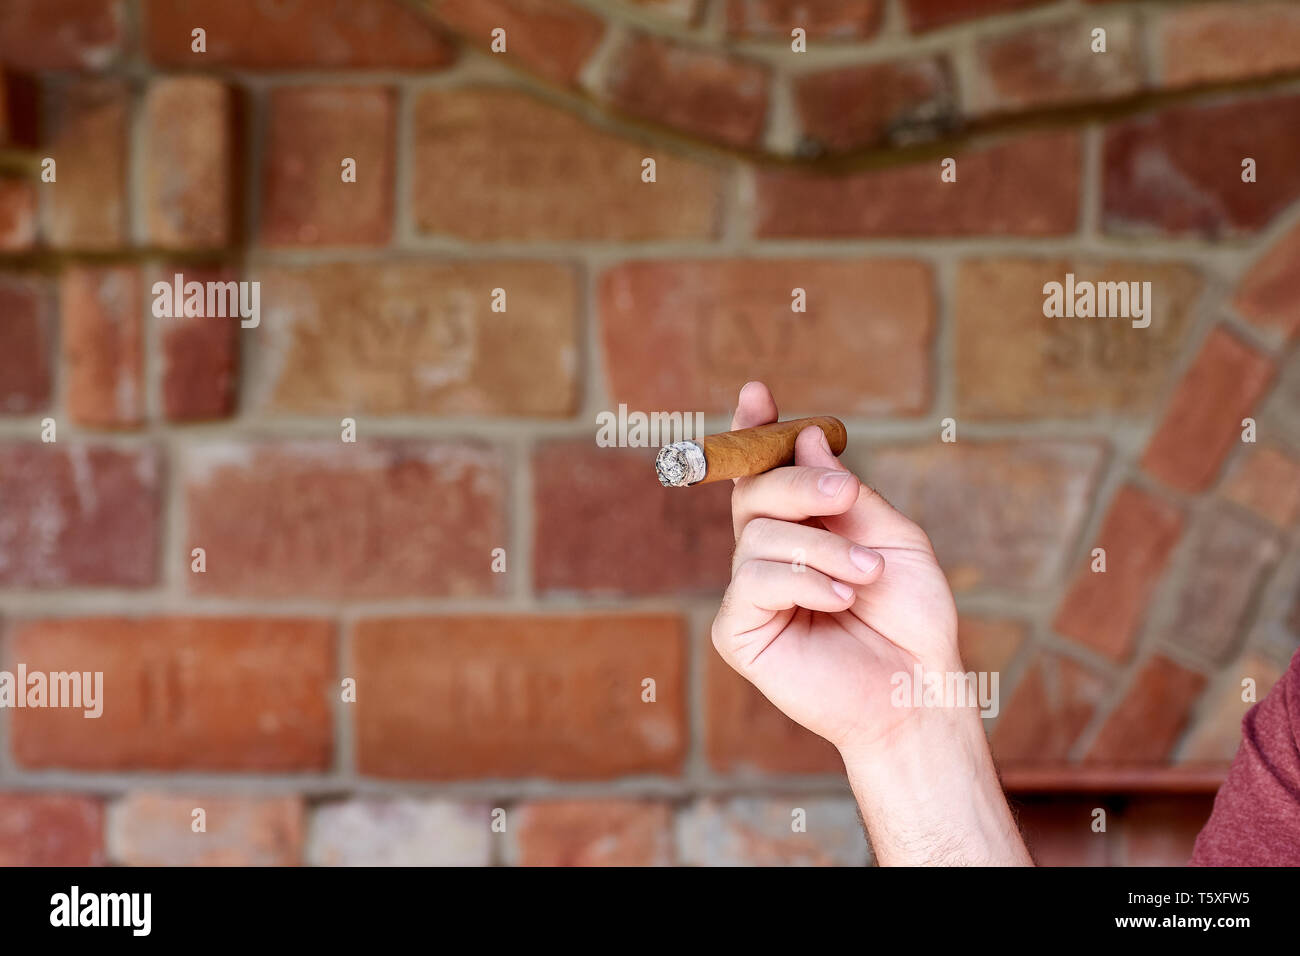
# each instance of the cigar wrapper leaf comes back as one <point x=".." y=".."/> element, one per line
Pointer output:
<point x="748" y="451"/>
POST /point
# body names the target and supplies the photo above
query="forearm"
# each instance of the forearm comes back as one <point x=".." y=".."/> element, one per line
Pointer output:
<point x="930" y="795"/>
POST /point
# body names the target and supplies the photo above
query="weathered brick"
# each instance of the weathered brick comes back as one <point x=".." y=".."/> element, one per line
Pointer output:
<point x="200" y="356"/>
<point x="682" y="546"/>
<point x="519" y="696"/>
<point x="989" y="644"/>
<point x="17" y="215"/>
<point x="1162" y="174"/>
<point x="26" y="343"/>
<point x="86" y="207"/>
<point x="1228" y="557"/>
<point x="78" y="515"/>
<point x="684" y="11"/>
<point x="854" y="107"/>
<point x="1159" y="701"/>
<point x="1058" y="831"/>
<point x="1269" y="294"/>
<point x="1161" y="831"/>
<point x="103" y="345"/>
<point x="1013" y="362"/>
<point x="190" y="162"/>
<point x="311" y="130"/>
<point x="421" y="337"/>
<point x="339" y="520"/>
<point x="552" y="38"/>
<point x="756" y="831"/>
<point x="399" y="832"/>
<point x="1104" y="610"/>
<point x="1053" y="64"/>
<point x="62" y="34"/>
<point x="1052" y="704"/>
<point x="931" y="14"/>
<point x="1205" y="414"/>
<point x="197" y="694"/>
<point x="527" y="170"/>
<point x="42" y="829"/>
<point x="593" y="833"/>
<point x="155" y="829"/>
<point x="1001" y="514"/>
<point x="1028" y="186"/>
<point x="1267" y="481"/>
<point x="691" y="333"/>
<point x="1217" y="732"/>
<point x="709" y="94"/>
<point x="774" y="19"/>
<point x="746" y="733"/>
<point x="1216" y="42"/>
<point x="363" y="34"/>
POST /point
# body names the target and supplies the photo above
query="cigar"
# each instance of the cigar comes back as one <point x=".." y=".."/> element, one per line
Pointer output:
<point x="749" y="451"/>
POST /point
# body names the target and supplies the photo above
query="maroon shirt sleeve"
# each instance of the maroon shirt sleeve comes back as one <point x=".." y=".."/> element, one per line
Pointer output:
<point x="1256" y="818"/>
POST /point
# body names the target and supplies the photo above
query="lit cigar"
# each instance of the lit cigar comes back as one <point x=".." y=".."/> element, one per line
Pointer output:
<point x="749" y="451"/>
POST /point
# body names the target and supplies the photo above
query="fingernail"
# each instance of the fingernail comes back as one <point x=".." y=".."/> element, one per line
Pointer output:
<point x="864" y="559"/>
<point x="842" y="589"/>
<point x="830" y="483"/>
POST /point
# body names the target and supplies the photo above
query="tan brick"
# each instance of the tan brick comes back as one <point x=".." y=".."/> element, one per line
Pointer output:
<point x="1217" y="733"/>
<point x="198" y="694"/>
<point x="552" y="38"/>
<point x="420" y="337"/>
<point x="339" y="520"/>
<point x="47" y="829"/>
<point x="691" y="333"/>
<point x="400" y="831"/>
<point x="553" y="697"/>
<point x="103" y="345"/>
<point x="1159" y="701"/>
<point x="756" y="831"/>
<point x="526" y="170"/>
<point x="1266" y="481"/>
<point x="989" y="644"/>
<point x="593" y="833"/>
<point x="156" y="829"/>
<point x="1217" y="42"/>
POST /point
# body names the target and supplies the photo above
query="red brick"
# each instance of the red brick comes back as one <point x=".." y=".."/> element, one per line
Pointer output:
<point x="753" y="831"/>
<point x="931" y="14"/>
<point x="338" y="520"/>
<point x="1058" y="832"/>
<point x="156" y="829"/>
<point x="989" y="644"/>
<point x="1217" y="42"/>
<point x="86" y="207"/>
<point x="549" y="37"/>
<point x="1053" y="64"/>
<point x="1052" y="704"/>
<point x="189" y="178"/>
<point x="682" y="546"/>
<point x="527" y="170"/>
<point x="680" y="332"/>
<point x="200" y="356"/>
<point x="774" y="19"/>
<point x="593" y="833"/>
<point x="1178" y="172"/>
<point x="553" y="697"/>
<point x="705" y="93"/>
<point x="78" y="516"/>
<point x="17" y="215"/>
<point x="1161" y="831"/>
<point x="1105" y="610"/>
<point x="1217" y="732"/>
<point x="1159" y="701"/>
<point x="103" y="345"/>
<point x="1000" y="514"/>
<point x="1204" y="416"/>
<point x="1012" y="362"/>
<point x="361" y="34"/>
<point x="62" y="34"/>
<point x="861" y="106"/>
<point x="39" y="829"/>
<point x="1229" y="556"/>
<point x="374" y="831"/>
<point x="1269" y="294"/>
<point x="183" y="694"/>
<point x="312" y="129"/>
<point x="26" y="343"/>
<point x="1027" y="186"/>
<point x="420" y="336"/>
<point x="1267" y="481"/>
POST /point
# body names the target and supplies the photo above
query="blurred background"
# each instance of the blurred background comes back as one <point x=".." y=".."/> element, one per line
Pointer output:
<point x="476" y="636"/>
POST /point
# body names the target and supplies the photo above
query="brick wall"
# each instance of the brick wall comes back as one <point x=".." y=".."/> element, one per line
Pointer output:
<point x="479" y="691"/>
